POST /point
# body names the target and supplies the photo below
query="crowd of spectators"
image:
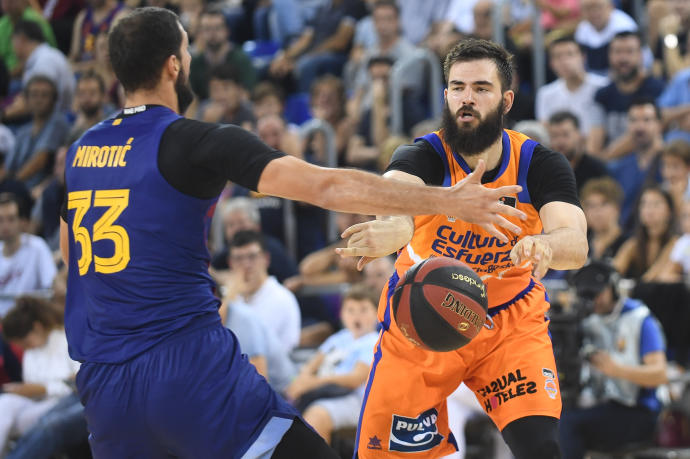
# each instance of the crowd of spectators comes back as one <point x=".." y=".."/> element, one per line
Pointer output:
<point x="339" y="82"/>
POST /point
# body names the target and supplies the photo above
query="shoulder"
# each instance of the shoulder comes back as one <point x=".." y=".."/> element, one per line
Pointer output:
<point x="599" y="81"/>
<point x="33" y="241"/>
<point x="620" y="21"/>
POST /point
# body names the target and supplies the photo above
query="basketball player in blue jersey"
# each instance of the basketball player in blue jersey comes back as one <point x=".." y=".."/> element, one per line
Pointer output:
<point x="161" y="377"/>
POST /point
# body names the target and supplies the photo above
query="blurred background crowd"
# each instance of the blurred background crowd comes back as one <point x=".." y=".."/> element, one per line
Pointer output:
<point x="345" y="82"/>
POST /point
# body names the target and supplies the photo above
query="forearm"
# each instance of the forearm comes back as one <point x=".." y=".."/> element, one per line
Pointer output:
<point x="619" y="147"/>
<point x="645" y="375"/>
<point x="379" y="124"/>
<point x="672" y="114"/>
<point x="569" y="247"/>
<point x="349" y="380"/>
<point x="297" y="48"/>
<point x="30" y="390"/>
<point x="35" y="164"/>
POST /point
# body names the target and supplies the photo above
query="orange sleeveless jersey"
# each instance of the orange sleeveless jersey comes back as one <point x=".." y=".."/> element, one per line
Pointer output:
<point x="441" y="235"/>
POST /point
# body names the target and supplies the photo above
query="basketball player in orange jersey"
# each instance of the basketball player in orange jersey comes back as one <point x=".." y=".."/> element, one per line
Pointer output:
<point x="510" y="364"/>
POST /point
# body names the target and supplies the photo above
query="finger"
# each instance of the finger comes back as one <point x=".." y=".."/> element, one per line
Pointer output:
<point x="541" y="268"/>
<point x="364" y="261"/>
<point x="527" y="248"/>
<point x="508" y="190"/>
<point x="355" y="239"/>
<point x="509" y="211"/>
<point x="354" y="229"/>
<point x="477" y="173"/>
<point x="351" y="252"/>
<point x="515" y="254"/>
<point x="507" y="224"/>
<point x="490" y="228"/>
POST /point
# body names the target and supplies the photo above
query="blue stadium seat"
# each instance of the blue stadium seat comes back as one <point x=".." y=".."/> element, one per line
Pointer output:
<point x="297" y="108"/>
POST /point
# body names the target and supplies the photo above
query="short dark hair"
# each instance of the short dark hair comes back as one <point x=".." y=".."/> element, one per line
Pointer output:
<point x="361" y="292"/>
<point x="387" y="3"/>
<point x="608" y="187"/>
<point x="93" y="75"/>
<point x="23" y="204"/>
<point x="645" y="100"/>
<point x="680" y="149"/>
<point x="564" y="39"/>
<point x="246" y="237"/>
<point x="29" y="29"/>
<point x="564" y="115"/>
<point x="225" y="72"/>
<point x="627" y="34"/>
<point x="214" y="10"/>
<point x="9" y="198"/>
<point x="473" y="49"/>
<point x="41" y="79"/>
<point x="267" y="89"/>
<point x="140" y="44"/>
<point x="27" y="310"/>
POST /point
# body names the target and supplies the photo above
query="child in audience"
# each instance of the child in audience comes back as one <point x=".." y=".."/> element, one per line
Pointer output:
<point x="330" y="387"/>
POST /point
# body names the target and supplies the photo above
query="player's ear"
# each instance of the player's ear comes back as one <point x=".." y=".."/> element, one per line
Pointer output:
<point x="173" y="65"/>
<point x="508" y="99"/>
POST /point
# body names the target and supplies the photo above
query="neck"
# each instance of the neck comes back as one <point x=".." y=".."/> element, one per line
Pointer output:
<point x="255" y="288"/>
<point x="11" y="246"/>
<point x="610" y="232"/>
<point x="39" y="121"/>
<point x="573" y="82"/>
<point x="157" y="96"/>
<point x="491" y="156"/>
<point x="217" y="57"/>
<point x="386" y="43"/>
<point x="632" y="85"/>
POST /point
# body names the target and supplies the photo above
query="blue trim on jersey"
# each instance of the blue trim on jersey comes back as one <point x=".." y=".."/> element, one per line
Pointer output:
<point x="496" y="309"/>
<point x="435" y="142"/>
<point x="392" y="282"/>
<point x="505" y="158"/>
<point x="526" y="152"/>
<point x="452" y="440"/>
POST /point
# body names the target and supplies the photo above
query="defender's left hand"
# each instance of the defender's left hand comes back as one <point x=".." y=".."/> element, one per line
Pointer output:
<point x="535" y="250"/>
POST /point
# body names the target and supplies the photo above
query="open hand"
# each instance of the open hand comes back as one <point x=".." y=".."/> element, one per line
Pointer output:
<point x="536" y="251"/>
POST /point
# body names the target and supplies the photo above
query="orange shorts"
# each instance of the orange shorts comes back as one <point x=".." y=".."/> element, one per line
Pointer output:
<point x="510" y="368"/>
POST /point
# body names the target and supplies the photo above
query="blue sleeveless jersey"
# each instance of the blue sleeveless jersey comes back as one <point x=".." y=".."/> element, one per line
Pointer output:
<point x="138" y="261"/>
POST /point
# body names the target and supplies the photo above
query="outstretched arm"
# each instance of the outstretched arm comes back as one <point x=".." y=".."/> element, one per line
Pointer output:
<point x="354" y="191"/>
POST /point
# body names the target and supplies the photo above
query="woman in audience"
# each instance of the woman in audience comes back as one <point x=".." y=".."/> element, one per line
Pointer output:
<point x="36" y="326"/>
<point x="645" y="255"/>
<point x="601" y="200"/>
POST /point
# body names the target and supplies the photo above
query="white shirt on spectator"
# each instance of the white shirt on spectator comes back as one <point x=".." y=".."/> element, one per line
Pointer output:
<point x="50" y="365"/>
<point x="555" y="97"/>
<point x="51" y="63"/>
<point x="277" y="307"/>
<point x="29" y="269"/>
<point x="586" y="34"/>
<point x="681" y="254"/>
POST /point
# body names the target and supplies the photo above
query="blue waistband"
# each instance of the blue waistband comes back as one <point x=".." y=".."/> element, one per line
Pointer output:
<point x="496" y="309"/>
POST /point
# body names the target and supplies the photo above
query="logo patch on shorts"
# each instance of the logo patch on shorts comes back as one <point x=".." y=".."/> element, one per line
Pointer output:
<point x="410" y="435"/>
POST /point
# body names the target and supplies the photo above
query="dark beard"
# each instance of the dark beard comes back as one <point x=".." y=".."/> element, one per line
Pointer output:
<point x="214" y="47"/>
<point x="472" y="141"/>
<point x="91" y="111"/>
<point x="629" y="76"/>
<point x="185" y="95"/>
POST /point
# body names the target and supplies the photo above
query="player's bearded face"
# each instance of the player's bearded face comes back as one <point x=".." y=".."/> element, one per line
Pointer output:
<point x="184" y="92"/>
<point x="465" y="139"/>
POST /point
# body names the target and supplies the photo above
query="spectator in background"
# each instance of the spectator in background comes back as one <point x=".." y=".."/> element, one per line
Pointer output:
<point x="566" y="137"/>
<point x="330" y="387"/>
<point x="218" y="50"/>
<point x="645" y="256"/>
<point x="273" y="131"/>
<point x="26" y="264"/>
<point x="262" y="347"/>
<point x="559" y="15"/>
<point x="671" y="50"/>
<point x="377" y="272"/>
<point x="630" y="82"/>
<point x="10" y="364"/>
<point x="679" y="266"/>
<point x="675" y="171"/>
<point x="91" y="100"/>
<point x="38" y="58"/>
<point x="38" y="140"/>
<point x="322" y="47"/>
<point x="242" y="214"/>
<point x="268" y="101"/>
<point x="601" y="23"/>
<point x="364" y="148"/>
<point x="327" y="101"/>
<point x="13" y="11"/>
<point x="37" y="327"/>
<point x="95" y="20"/>
<point x="601" y="200"/>
<point x="61" y="15"/>
<point x="45" y="217"/>
<point x="278" y="20"/>
<point x="389" y="43"/>
<point x="643" y="165"/>
<point x="575" y="87"/>
<point x="624" y="371"/>
<point x="250" y="283"/>
<point x="227" y="102"/>
<point x="8" y="184"/>
<point x="675" y="106"/>
<point x="418" y="18"/>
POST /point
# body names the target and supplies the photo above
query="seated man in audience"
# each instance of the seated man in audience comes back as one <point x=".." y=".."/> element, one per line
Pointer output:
<point x="242" y="214"/>
<point x="674" y="103"/>
<point x="675" y="171"/>
<point x="38" y="140"/>
<point x="265" y="352"/>
<point x="91" y="100"/>
<point x="226" y="103"/>
<point x="601" y="200"/>
<point x="624" y="371"/>
<point x="330" y="387"/>
<point x="13" y="12"/>
<point x="249" y="282"/>
<point x="565" y="137"/>
<point x="643" y="164"/>
<point x="26" y="264"/>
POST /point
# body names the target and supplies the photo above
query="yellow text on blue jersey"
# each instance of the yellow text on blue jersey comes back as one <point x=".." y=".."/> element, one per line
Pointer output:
<point x="102" y="156"/>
